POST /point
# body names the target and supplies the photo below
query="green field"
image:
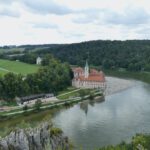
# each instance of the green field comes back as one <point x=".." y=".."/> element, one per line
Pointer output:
<point x="16" y="67"/>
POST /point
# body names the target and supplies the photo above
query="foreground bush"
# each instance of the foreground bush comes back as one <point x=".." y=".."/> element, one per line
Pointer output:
<point x="139" y="142"/>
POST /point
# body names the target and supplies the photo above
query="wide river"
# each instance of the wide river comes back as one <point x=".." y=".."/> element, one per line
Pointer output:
<point x="117" y="119"/>
<point x="93" y="124"/>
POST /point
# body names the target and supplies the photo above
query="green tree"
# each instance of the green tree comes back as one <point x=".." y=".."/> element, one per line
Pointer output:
<point x="38" y="104"/>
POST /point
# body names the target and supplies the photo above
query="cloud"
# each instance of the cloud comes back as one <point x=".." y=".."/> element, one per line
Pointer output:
<point x="35" y="21"/>
<point x="46" y="7"/>
<point x="6" y="1"/>
<point x="9" y="12"/>
<point x="74" y="35"/>
<point x="129" y="17"/>
<point x="44" y="25"/>
<point x="87" y="16"/>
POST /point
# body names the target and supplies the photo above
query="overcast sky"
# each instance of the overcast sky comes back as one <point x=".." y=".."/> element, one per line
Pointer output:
<point x="68" y="21"/>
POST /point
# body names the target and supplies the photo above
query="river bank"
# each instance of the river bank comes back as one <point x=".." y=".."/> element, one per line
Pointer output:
<point x="117" y="119"/>
<point x="19" y="110"/>
<point x="142" y="76"/>
<point x="95" y="124"/>
<point x="115" y="85"/>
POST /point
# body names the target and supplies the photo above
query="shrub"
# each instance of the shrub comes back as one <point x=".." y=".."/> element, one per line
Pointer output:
<point x="25" y="108"/>
<point x="38" y="104"/>
<point x="55" y="131"/>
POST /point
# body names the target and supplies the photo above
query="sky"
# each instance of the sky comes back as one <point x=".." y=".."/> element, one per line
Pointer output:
<point x="70" y="21"/>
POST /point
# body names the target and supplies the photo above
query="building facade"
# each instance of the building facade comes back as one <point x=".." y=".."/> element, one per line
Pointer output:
<point x="88" y="78"/>
<point x="39" y="61"/>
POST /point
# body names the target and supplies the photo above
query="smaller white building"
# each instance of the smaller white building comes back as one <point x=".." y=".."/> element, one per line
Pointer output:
<point x="39" y="61"/>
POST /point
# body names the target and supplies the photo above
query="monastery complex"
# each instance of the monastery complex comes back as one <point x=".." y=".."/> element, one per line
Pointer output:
<point x="88" y="78"/>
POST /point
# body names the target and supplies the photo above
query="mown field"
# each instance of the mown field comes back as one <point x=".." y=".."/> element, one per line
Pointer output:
<point x="16" y="67"/>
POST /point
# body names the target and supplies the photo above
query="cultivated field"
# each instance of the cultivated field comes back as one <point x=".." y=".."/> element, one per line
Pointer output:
<point x="16" y="67"/>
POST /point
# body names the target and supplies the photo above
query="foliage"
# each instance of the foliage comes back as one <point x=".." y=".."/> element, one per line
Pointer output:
<point x="140" y="141"/>
<point x="49" y="79"/>
<point x="25" y="108"/>
<point x="91" y="96"/>
<point x="83" y="93"/>
<point x="38" y="104"/>
<point x="133" y="55"/>
<point x="55" y="131"/>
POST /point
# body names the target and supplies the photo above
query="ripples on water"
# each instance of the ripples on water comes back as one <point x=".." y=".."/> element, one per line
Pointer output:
<point x="121" y="116"/>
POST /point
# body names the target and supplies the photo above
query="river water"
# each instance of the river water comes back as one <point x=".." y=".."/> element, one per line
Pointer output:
<point x="94" y="124"/>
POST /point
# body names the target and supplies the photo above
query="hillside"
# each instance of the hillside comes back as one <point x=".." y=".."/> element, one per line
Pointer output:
<point x="132" y="55"/>
<point x="16" y="67"/>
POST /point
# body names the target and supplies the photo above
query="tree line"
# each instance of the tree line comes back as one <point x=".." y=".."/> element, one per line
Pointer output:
<point x="52" y="77"/>
<point x="132" y="55"/>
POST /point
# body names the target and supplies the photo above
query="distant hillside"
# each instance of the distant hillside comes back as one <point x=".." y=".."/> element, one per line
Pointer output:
<point x="16" y="67"/>
<point x="132" y="55"/>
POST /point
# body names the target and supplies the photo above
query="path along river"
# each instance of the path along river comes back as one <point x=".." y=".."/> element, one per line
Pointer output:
<point x="93" y="124"/>
<point x="118" y="118"/>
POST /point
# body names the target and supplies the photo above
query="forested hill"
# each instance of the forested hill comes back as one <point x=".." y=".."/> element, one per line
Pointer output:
<point x="132" y="55"/>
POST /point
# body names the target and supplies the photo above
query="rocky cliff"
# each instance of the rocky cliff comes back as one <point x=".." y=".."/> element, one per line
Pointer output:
<point x="40" y="138"/>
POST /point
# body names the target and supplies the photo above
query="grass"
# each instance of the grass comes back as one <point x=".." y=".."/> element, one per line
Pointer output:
<point x="74" y="93"/>
<point x="2" y="72"/>
<point x="67" y="96"/>
<point x="69" y="89"/>
<point x="16" y="67"/>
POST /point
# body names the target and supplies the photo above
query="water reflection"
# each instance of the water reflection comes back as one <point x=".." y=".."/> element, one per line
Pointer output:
<point x="85" y="104"/>
<point x="94" y="124"/>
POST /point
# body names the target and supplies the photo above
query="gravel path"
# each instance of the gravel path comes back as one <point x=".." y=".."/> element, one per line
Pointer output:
<point x="116" y="84"/>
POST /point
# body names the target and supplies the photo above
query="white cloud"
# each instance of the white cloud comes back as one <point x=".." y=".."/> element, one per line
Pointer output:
<point x="44" y="25"/>
<point x="67" y="21"/>
<point x="46" y="7"/>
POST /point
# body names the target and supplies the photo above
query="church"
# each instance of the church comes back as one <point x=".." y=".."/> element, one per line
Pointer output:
<point x="88" y="78"/>
<point x="38" y="60"/>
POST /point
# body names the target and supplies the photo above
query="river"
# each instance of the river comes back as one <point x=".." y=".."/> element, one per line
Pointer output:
<point x="117" y="119"/>
<point x="93" y="124"/>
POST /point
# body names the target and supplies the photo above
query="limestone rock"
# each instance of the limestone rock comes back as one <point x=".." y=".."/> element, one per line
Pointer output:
<point x="34" y="139"/>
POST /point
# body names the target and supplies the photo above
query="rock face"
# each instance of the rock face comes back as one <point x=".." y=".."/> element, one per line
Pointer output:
<point x="34" y="139"/>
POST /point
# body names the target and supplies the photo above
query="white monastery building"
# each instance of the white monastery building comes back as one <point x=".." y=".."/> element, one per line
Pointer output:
<point x="38" y="60"/>
<point x="88" y="78"/>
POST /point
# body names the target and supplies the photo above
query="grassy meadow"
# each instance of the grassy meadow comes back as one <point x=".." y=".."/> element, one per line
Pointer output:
<point x="16" y="67"/>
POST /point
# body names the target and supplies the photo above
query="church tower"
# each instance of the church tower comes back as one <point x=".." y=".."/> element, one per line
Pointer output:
<point x="86" y="70"/>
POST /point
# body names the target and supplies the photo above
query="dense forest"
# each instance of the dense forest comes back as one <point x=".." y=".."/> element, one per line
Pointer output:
<point x="133" y="55"/>
<point x="52" y="77"/>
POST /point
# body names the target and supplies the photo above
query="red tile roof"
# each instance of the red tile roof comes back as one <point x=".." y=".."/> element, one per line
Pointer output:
<point x="95" y="78"/>
<point x="94" y="75"/>
<point x="78" y="69"/>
